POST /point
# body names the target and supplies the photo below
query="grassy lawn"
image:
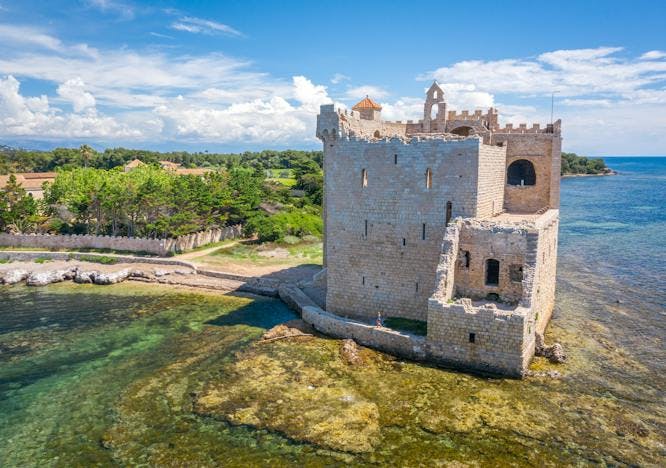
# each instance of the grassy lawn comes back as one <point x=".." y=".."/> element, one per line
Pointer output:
<point x="416" y="327"/>
<point x="266" y="254"/>
<point x="281" y="176"/>
<point x="284" y="181"/>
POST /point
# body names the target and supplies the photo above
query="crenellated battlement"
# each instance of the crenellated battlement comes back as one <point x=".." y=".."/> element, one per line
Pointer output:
<point x="554" y="128"/>
<point x="466" y="115"/>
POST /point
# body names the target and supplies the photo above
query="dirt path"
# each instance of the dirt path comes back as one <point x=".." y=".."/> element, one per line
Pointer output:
<point x="201" y="253"/>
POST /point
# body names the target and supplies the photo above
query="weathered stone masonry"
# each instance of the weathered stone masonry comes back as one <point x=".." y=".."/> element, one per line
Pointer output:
<point x="451" y="220"/>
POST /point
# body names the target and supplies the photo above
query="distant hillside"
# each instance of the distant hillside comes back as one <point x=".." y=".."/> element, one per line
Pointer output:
<point x="572" y="164"/>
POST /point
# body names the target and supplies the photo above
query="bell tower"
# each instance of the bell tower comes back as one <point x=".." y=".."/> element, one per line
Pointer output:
<point x="434" y="97"/>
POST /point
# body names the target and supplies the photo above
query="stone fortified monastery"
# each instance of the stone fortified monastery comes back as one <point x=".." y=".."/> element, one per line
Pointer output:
<point x="451" y="220"/>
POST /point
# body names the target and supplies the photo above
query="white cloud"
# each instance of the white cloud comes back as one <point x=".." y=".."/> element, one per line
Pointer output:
<point x="568" y="72"/>
<point x="310" y="96"/>
<point x="33" y="117"/>
<point x="339" y="78"/>
<point x="73" y="90"/>
<point x="204" y="26"/>
<point x="125" y="10"/>
<point x="272" y="120"/>
<point x="160" y="35"/>
<point x="359" y="92"/>
<point x="405" y="108"/>
<point x="25" y="35"/>
<point x="653" y="55"/>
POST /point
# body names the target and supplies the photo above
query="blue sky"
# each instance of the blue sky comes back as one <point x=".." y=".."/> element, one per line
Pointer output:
<point x="237" y="75"/>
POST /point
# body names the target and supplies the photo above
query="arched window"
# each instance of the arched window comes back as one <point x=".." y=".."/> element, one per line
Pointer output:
<point x="492" y="272"/>
<point x="364" y="178"/>
<point x="428" y="177"/>
<point x="463" y="131"/>
<point x="521" y="172"/>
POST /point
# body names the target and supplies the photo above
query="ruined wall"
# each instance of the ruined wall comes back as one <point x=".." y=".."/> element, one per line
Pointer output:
<point x="542" y="252"/>
<point x="482" y="338"/>
<point x="486" y="241"/>
<point x="390" y="267"/>
<point x="120" y="243"/>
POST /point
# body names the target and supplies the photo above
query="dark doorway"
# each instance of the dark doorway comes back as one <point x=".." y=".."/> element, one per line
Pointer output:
<point x="521" y="172"/>
<point x="463" y="131"/>
<point x="492" y="272"/>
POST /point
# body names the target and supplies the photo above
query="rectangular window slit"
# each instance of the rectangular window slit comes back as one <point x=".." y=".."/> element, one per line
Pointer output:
<point x="472" y="337"/>
<point x="423" y="232"/>
<point x="366" y="228"/>
<point x="395" y="159"/>
<point x="363" y="281"/>
<point x="404" y="241"/>
<point x="417" y="286"/>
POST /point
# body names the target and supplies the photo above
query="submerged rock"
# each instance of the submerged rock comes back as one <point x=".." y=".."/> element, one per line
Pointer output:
<point x="288" y="329"/>
<point x="42" y="278"/>
<point x="13" y="276"/>
<point x="294" y="397"/>
<point x="349" y="351"/>
<point x="554" y="353"/>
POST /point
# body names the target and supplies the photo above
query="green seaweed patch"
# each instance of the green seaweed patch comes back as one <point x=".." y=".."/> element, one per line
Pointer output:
<point x="417" y="327"/>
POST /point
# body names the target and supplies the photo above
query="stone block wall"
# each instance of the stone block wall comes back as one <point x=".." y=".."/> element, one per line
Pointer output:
<point x="385" y="339"/>
<point x="383" y="236"/>
<point x="482" y="338"/>
<point x="161" y="247"/>
<point x="491" y="180"/>
<point x="543" y="151"/>
<point x="542" y="299"/>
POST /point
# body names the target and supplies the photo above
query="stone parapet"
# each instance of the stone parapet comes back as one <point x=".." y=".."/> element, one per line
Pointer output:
<point x="384" y="339"/>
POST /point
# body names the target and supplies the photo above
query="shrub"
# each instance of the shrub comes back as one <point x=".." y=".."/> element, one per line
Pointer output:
<point x="104" y="260"/>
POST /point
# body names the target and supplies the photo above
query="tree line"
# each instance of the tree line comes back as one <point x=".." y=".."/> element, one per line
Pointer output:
<point x="14" y="160"/>
<point x="574" y="164"/>
<point x="149" y="201"/>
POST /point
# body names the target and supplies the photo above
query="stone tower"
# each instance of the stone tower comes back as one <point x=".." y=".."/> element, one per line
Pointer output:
<point x="451" y="220"/>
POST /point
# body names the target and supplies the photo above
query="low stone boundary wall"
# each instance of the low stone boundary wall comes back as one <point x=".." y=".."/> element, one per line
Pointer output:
<point x="162" y="247"/>
<point x="384" y="339"/>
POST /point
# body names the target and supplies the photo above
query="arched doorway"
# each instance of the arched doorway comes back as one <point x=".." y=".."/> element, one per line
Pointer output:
<point x="521" y="172"/>
<point x="463" y="131"/>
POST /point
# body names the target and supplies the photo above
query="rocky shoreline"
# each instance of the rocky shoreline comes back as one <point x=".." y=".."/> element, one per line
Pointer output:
<point x="42" y="274"/>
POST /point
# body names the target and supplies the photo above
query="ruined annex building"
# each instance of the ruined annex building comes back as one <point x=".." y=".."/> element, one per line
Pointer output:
<point x="451" y="220"/>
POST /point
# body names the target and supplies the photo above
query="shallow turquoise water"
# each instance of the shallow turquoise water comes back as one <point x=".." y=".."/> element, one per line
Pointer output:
<point x="72" y="355"/>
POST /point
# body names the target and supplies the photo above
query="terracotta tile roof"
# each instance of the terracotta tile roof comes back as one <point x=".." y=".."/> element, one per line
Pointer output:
<point x="133" y="163"/>
<point x="195" y="171"/>
<point x="366" y="103"/>
<point x="38" y="175"/>
<point x="29" y="180"/>
<point x="169" y="165"/>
